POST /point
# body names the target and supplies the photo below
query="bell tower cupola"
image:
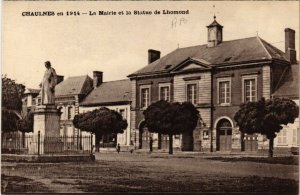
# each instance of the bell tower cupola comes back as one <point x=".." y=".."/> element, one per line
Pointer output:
<point x="215" y="34"/>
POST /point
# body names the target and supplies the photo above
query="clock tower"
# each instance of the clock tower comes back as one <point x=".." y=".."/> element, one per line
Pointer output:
<point x="215" y="34"/>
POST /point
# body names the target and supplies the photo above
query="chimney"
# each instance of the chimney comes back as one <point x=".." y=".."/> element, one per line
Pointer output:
<point x="153" y="55"/>
<point x="59" y="79"/>
<point x="97" y="78"/>
<point x="290" y="51"/>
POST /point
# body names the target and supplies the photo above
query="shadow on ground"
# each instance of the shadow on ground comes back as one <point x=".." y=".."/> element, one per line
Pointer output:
<point x="291" y="160"/>
<point x="146" y="174"/>
<point x="16" y="184"/>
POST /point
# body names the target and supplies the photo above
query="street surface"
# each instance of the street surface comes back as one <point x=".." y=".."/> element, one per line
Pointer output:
<point x="144" y="172"/>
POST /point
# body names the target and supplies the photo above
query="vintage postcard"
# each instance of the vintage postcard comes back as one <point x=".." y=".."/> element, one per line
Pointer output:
<point x="150" y="97"/>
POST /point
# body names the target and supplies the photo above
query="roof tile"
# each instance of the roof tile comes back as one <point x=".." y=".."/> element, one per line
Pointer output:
<point x="240" y="50"/>
<point x="289" y="86"/>
<point x="71" y="86"/>
<point x="109" y="93"/>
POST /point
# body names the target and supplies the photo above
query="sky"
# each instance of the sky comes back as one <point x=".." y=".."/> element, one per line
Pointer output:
<point x="118" y="44"/>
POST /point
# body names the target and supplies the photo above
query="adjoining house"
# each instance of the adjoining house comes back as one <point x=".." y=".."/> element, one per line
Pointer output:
<point x="287" y="139"/>
<point x="68" y="94"/>
<point x="114" y="95"/>
<point x="216" y="77"/>
<point x="29" y="100"/>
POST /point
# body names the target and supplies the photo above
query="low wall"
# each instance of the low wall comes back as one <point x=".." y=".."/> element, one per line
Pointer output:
<point x="286" y="150"/>
<point x="47" y="158"/>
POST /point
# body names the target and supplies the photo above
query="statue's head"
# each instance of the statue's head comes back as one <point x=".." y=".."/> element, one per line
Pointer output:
<point x="47" y="64"/>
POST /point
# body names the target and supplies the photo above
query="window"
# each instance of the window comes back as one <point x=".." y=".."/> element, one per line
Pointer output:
<point x="205" y="134"/>
<point x="224" y="92"/>
<point x="282" y="138"/>
<point x="145" y="97"/>
<point x="164" y="93"/>
<point x="70" y="112"/>
<point x="249" y="89"/>
<point x="33" y="102"/>
<point x="192" y="93"/>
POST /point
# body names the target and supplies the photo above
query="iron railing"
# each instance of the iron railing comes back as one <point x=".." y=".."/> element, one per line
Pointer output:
<point x="41" y="144"/>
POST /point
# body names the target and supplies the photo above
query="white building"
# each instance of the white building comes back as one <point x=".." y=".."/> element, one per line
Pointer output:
<point x="287" y="139"/>
<point x="114" y="95"/>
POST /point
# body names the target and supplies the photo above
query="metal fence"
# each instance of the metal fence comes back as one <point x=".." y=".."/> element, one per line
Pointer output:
<point x="40" y="144"/>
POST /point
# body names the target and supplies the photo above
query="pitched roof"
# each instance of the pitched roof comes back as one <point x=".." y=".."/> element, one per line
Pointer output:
<point x="240" y="50"/>
<point x="111" y="92"/>
<point x="71" y="86"/>
<point x="214" y="23"/>
<point x="32" y="91"/>
<point x="289" y="85"/>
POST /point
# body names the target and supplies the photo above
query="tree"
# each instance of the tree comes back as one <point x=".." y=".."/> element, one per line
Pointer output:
<point x="100" y="122"/>
<point x="171" y="119"/>
<point x="9" y="120"/>
<point x="12" y="94"/>
<point x="25" y="125"/>
<point x="266" y="117"/>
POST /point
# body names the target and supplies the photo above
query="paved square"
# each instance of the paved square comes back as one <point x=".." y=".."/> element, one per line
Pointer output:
<point x="145" y="172"/>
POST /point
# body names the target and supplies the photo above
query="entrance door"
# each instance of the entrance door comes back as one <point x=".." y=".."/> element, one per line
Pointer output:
<point x="145" y="138"/>
<point x="225" y="135"/>
<point x="164" y="141"/>
<point x="251" y="143"/>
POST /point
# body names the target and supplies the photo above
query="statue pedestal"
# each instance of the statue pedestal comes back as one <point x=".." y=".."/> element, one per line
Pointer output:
<point x="46" y="124"/>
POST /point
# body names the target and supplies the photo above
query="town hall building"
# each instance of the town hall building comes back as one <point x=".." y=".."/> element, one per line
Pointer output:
<point x="217" y="77"/>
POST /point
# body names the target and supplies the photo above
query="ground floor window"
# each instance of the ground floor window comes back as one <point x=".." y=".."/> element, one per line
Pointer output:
<point x="282" y="137"/>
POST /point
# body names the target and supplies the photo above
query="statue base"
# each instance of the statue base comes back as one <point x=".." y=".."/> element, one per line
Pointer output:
<point x="46" y="120"/>
<point x="46" y="127"/>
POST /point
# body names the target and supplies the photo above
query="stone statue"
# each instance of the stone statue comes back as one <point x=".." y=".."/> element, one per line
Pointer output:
<point x="48" y="85"/>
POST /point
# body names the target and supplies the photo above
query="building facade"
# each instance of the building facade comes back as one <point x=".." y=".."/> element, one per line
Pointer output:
<point x="114" y="95"/>
<point x="287" y="139"/>
<point x="68" y="94"/>
<point x="29" y="100"/>
<point x="147" y="89"/>
<point x="217" y="78"/>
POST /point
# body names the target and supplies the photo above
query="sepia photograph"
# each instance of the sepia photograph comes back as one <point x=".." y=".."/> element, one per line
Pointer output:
<point x="150" y="97"/>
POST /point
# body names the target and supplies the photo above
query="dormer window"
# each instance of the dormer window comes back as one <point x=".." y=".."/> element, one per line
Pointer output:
<point x="227" y="59"/>
<point x="168" y="66"/>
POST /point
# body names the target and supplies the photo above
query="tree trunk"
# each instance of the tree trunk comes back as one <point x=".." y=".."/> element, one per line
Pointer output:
<point x="23" y="139"/>
<point x="271" y="144"/>
<point x="80" y="140"/>
<point x="242" y="142"/>
<point x="170" y="143"/>
<point x="159" y="141"/>
<point x="97" y="142"/>
<point x="140" y="139"/>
